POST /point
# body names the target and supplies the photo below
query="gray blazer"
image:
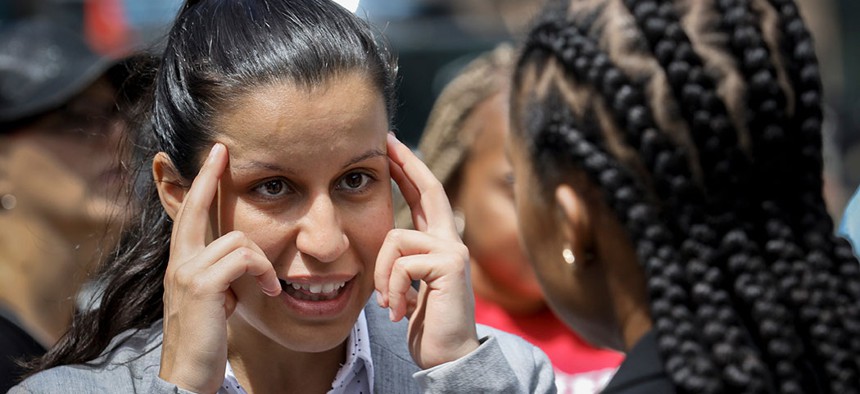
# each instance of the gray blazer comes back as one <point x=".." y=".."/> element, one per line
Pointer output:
<point x="504" y="363"/>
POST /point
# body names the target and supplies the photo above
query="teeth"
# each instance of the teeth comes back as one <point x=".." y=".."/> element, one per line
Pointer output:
<point x="317" y="288"/>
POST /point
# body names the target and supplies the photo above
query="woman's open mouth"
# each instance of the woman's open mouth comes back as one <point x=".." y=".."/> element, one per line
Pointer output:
<point x="313" y="292"/>
<point x="318" y="298"/>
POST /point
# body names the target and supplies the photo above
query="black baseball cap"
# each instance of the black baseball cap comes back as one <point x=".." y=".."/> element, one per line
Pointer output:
<point x="43" y="64"/>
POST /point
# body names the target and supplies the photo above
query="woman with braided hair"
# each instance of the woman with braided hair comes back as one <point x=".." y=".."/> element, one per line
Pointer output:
<point x="668" y="165"/>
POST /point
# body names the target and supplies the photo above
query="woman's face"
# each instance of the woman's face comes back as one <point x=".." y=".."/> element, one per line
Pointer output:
<point x="308" y="181"/>
<point x="65" y="168"/>
<point x="485" y="196"/>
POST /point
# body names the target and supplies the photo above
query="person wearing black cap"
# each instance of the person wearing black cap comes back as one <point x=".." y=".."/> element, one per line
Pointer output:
<point x="60" y="186"/>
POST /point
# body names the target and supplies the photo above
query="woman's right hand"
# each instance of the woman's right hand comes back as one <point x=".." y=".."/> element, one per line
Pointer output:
<point x="198" y="299"/>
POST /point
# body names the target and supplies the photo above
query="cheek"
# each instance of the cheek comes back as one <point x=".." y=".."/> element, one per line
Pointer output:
<point x="273" y="234"/>
<point x="366" y="227"/>
<point x="491" y="227"/>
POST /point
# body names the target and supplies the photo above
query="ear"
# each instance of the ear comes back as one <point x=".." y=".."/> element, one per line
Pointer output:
<point x="577" y="223"/>
<point x="170" y="185"/>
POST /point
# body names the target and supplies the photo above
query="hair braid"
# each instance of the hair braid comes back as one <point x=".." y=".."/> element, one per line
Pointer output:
<point x="666" y="163"/>
<point x="767" y="126"/>
<point x="797" y="45"/>
<point x="834" y="272"/>
<point x="764" y="97"/>
<point x="753" y="283"/>
<point x="710" y="125"/>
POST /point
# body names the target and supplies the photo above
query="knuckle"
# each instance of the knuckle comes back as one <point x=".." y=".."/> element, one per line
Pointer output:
<point x="183" y="276"/>
<point x="394" y="235"/>
<point x="196" y="286"/>
<point x="434" y="187"/>
<point x="462" y="251"/>
<point x="400" y="264"/>
<point x="244" y="253"/>
<point x="235" y="236"/>
<point x="457" y="262"/>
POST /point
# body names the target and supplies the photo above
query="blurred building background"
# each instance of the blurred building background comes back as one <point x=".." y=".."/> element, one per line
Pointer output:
<point x="434" y="38"/>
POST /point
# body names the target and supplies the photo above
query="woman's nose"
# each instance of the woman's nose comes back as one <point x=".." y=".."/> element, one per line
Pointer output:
<point x="321" y="234"/>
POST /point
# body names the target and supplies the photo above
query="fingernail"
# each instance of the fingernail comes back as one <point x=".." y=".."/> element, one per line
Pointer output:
<point x="214" y="151"/>
<point x="379" y="299"/>
<point x="270" y="289"/>
<point x="391" y="314"/>
<point x="392" y="137"/>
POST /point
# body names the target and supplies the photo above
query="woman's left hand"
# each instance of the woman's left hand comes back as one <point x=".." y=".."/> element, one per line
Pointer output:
<point x="442" y="324"/>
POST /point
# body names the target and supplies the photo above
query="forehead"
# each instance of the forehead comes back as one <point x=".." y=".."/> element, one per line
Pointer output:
<point x="487" y="125"/>
<point x="296" y="121"/>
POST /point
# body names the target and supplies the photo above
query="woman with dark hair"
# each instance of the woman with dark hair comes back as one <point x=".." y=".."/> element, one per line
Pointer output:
<point x="668" y="165"/>
<point x="269" y="224"/>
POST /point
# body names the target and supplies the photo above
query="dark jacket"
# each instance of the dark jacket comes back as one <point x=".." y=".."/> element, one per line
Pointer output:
<point x="642" y="371"/>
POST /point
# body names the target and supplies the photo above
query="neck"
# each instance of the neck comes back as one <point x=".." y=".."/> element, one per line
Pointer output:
<point x="633" y="327"/>
<point x="510" y="301"/>
<point x="627" y="285"/>
<point x="632" y="311"/>
<point x="262" y="369"/>
<point x="40" y="276"/>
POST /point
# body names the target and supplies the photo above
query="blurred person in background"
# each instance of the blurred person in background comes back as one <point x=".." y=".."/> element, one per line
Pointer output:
<point x="463" y="145"/>
<point x="61" y="198"/>
<point x="669" y="166"/>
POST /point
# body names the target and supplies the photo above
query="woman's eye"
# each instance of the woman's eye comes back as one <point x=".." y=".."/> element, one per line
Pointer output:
<point x="272" y="188"/>
<point x="354" y="181"/>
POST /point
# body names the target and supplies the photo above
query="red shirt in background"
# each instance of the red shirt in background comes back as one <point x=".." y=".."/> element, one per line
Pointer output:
<point x="579" y="367"/>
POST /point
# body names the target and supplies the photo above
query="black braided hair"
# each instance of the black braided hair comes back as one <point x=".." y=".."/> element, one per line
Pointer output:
<point x="743" y="299"/>
<point x="835" y="266"/>
<point x="771" y="142"/>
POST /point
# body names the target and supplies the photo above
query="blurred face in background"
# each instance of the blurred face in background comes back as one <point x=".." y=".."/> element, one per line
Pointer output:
<point x="485" y="197"/>
<point x="64" y="168"/>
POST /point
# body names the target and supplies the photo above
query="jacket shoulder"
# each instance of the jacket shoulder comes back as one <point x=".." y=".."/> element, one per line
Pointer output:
<point x="130" y="364"/>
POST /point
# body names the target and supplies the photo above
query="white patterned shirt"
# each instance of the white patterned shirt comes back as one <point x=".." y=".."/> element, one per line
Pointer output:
<point x="354" y="377"/>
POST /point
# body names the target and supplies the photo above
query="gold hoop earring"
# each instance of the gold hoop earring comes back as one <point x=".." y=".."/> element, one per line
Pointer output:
<point x="569" y="258"/>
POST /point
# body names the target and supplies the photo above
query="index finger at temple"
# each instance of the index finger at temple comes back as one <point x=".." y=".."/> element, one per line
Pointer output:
<point x="192" y="222"/>
<point x="432" y="198"/>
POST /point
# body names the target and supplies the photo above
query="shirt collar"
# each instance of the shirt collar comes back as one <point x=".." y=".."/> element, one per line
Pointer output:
<point x="358" y="365"/>
<point x="357" y="356"/>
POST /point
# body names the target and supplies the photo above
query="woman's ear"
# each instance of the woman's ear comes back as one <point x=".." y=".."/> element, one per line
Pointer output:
<point x="577" y="223"/>
<point x="171" y="189"/>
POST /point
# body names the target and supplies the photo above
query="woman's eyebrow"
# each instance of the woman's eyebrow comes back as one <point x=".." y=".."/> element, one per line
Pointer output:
<point x="366" y="155"/>
<point x="255" y="164"/>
